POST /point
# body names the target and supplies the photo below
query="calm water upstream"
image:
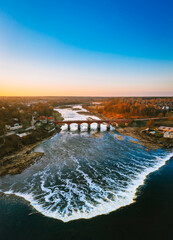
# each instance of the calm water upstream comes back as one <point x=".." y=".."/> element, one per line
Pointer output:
<point x="83" y="175"/>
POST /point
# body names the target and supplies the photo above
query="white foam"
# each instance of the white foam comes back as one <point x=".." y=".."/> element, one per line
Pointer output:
<point x="122" y="198"/>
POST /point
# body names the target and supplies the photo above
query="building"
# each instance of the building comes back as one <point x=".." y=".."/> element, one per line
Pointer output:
<point x="50" y="119"/>
<point x="33" y="121"/>
<point x="165" y="107"/>
<point x="7" y="127"/>
<point x="21" y="135"/>
<point x="15" y="127"/>
<point x="15" y="119"/>
<point x="44" y="119"/>
<point x="168" y="134"/>
<point x="165" y="129"/>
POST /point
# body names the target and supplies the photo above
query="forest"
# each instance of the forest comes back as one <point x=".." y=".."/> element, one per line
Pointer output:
<point x="134" y="107"/>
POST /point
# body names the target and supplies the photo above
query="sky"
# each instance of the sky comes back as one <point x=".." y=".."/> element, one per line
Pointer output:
<point x="86" y="48"/>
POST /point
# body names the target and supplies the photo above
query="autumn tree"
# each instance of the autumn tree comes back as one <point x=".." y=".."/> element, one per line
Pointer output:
<point x="150" y="124"/>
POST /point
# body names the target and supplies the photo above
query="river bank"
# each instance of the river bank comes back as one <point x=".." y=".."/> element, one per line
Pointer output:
<point x="18" y="161"/>
<point x="149" y="141"/>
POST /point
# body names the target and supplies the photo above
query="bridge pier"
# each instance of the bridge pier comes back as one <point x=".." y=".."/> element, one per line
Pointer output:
<point x="89" y="127"/>
<point x="98" y="126"/>
<point x="68" y="127"/>
<point x="108" y="126"/>
<point x="79" y="127"/>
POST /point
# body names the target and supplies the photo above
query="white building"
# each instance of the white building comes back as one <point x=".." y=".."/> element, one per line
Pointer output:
<point x="165" y="129"/>
<point x="33" y="121"/>
<point x="168" y="135"/>
<point x="15" y="127"/>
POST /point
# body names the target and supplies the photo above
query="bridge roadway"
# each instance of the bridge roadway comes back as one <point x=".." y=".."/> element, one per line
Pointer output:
<point x="107" y="121"/>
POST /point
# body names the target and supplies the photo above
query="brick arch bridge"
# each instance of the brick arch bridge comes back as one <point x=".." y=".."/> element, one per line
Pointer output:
<point x="89" y="122"/>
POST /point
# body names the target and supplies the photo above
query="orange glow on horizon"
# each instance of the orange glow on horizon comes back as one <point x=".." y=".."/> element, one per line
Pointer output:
<point x="90" y="91"/>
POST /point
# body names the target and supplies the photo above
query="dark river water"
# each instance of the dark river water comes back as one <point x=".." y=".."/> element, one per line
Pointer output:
<point x="83" y="175"/>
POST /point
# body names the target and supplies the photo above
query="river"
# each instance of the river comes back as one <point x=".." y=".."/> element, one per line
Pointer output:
<point x="83" y="175"/>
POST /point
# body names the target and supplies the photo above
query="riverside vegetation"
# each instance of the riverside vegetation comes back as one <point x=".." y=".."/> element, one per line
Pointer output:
<point x="136" y="108"/>
<point x="16" y="146"/>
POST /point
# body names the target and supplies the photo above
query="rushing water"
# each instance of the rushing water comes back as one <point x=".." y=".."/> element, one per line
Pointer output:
<point x="83" y="175"/>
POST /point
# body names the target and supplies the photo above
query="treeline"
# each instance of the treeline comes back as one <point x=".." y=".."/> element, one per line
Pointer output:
<point x="135" y="107"/>
<point x="11" y="113"/>
<point x="12" y="143"/>
<point x="23" y="112"/>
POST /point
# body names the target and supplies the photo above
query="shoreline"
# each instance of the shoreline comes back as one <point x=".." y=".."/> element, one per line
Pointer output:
<point x="148" y="141"/>
<point x="133" y="191"/>
<point x="17" y="162"/>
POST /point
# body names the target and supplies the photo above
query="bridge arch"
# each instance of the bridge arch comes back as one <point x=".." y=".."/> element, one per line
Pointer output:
<point x="90" y="122"/>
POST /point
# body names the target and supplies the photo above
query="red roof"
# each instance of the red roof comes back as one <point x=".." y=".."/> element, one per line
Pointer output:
<point x="50" y="118"/>
<point x="42" y="117"/>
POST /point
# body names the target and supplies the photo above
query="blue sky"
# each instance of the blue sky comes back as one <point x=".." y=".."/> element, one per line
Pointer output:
<point x="99" y="47"/>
